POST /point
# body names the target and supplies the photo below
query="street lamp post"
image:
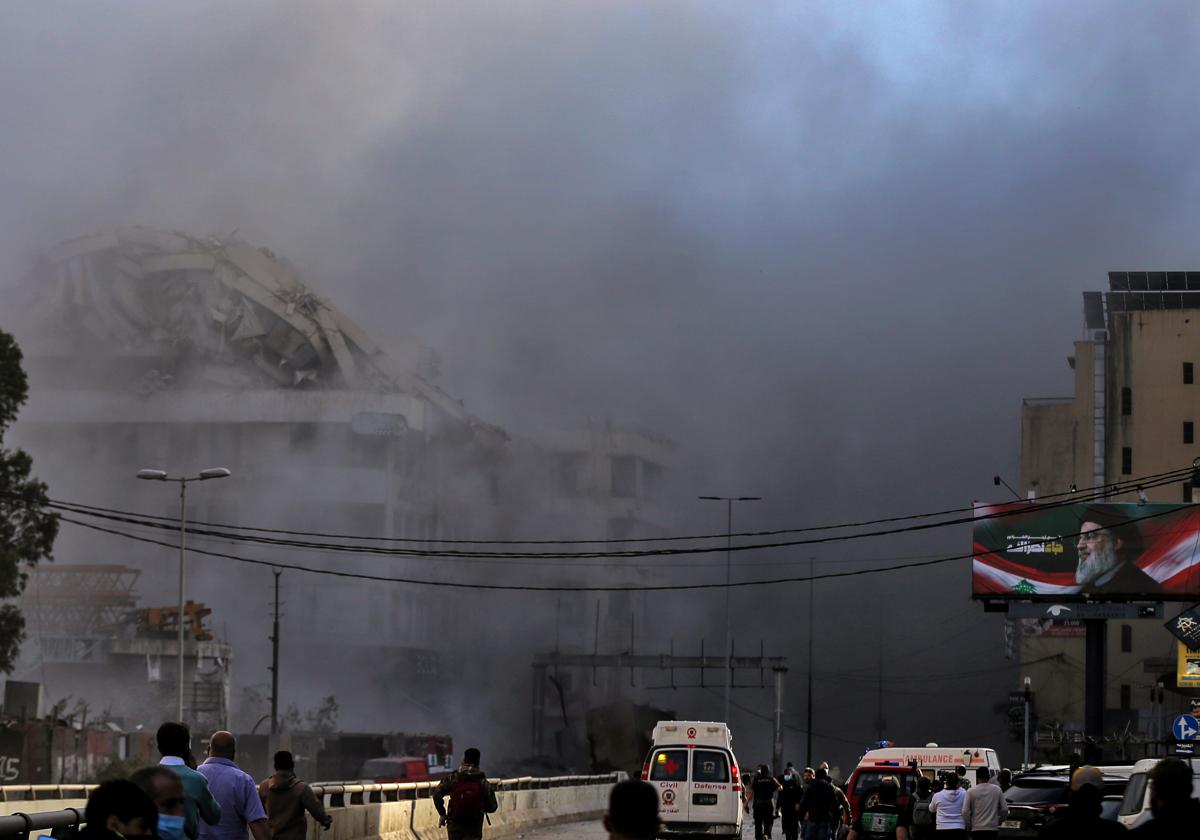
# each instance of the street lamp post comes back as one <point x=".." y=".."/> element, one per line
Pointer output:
<point x="1157" y="692"/>
<point x="808" y="754"/>
<point x="182" y="481"/>
<point x="1028" y="694"/>
<point x="729" y="500"/>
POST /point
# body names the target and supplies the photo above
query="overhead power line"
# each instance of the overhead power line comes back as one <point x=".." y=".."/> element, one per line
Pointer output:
<point x="568" y="588"/>
<point x="128" y="518"/>
<point x="1086" y="494"/>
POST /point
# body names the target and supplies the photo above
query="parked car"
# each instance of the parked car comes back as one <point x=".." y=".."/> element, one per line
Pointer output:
<point x="1110" y="808"/>
<point x="1037" y="797"/>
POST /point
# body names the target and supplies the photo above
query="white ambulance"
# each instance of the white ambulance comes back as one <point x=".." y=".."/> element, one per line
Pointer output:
<point x="691" y="764"/>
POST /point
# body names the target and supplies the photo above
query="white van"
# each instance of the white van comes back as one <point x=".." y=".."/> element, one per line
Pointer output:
<point x="1135" y="805"/>
<point x="692" y="765"/>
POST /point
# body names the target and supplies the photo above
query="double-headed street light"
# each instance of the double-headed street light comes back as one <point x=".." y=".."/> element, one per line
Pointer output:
<point x="204" y="475"/>
<point x="729" y="500"/>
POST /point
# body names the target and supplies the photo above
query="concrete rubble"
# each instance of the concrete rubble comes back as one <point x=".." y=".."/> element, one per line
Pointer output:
<point x="233" y="315"/>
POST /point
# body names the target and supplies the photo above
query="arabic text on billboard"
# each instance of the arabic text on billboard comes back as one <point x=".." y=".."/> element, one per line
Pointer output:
<point x="1104" y="551"/>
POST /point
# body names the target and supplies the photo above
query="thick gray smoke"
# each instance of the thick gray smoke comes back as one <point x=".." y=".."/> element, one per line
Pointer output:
<point x="826" y="247"/>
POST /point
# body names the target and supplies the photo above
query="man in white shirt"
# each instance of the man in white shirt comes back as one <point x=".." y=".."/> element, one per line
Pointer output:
<point x="946" y="807"/>
<point x="984" y="807"/>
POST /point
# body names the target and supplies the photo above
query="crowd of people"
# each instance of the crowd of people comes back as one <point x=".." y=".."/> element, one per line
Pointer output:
<point x="179" y="799"/>
<point x="806" y="803"/>
<point x="948" y="807"/>
<point x="955" y="813"/>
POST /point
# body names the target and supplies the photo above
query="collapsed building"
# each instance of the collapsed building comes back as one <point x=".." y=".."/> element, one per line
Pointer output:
<point x="154" y="349"/>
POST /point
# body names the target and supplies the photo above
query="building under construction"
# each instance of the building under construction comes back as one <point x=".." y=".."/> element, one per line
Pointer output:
<point x="102" y="655"/>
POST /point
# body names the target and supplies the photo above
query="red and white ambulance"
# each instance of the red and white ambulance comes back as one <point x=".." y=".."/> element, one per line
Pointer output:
<point x="907" y="764"/>
<point x="691" y="764"/>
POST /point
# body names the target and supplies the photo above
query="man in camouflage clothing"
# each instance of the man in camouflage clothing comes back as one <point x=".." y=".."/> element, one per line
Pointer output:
<point x="471" y="799"/>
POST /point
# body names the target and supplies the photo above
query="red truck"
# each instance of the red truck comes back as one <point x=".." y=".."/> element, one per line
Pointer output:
<point x="400" y="768"/>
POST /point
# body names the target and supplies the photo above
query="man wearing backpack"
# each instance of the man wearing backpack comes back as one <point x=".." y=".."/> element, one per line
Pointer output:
<point x="820" y="809"/>
<point x="471" y="799"/>
<point x="921" y="819"/>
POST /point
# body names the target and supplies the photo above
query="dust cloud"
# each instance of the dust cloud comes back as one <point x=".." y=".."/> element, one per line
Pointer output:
<point x="826" y="249"/>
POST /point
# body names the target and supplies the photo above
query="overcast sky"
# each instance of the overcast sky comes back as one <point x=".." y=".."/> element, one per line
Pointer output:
<point x="828" y="246"/>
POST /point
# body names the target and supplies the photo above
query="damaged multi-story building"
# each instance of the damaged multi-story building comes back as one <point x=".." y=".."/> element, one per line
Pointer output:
<point x="150" y="349"/>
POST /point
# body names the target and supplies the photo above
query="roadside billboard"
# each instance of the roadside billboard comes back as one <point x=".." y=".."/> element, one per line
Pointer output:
<point x="1031" y="551"/>
<point x="1187" y="671"/>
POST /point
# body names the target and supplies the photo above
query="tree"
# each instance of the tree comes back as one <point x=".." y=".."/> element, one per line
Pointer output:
<point x="323" y="719"/>
<point x="27" y="528"/>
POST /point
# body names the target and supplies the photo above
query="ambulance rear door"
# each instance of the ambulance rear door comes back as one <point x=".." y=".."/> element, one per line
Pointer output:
<point x="714" y="795"/>
<point x="669" y="776"/>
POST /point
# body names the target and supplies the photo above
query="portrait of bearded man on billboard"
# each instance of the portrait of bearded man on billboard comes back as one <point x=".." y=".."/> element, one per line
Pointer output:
<point x="1108" y="548"/>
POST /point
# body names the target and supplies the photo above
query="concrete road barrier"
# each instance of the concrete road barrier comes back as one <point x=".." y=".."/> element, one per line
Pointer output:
<point x="375" y="812"/>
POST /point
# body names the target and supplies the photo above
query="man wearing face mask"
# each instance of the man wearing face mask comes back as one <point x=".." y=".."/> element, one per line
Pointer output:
<point x="165" y="789"/>
<point x="175" y="745"/>
<point x="791" y="791"/>
<point x="1176" y="811"/>
<point x="119" y="810"/>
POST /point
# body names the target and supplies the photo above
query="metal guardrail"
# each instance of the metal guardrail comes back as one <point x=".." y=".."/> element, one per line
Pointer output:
<point x="20" y="825"/>
<point x="332" y="794"/>
<point x="25" y="793"/>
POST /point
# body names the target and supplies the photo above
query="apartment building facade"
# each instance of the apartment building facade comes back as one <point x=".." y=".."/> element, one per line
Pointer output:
<point x="1134" y="411"/>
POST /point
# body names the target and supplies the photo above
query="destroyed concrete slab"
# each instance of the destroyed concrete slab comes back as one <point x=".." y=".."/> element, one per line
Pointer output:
<point x="222" y="301"/>
<point x="82" y="245"/>
<point x="178" y="262"/>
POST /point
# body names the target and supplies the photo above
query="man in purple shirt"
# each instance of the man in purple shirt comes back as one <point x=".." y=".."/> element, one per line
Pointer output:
<point x="235" y="792"/>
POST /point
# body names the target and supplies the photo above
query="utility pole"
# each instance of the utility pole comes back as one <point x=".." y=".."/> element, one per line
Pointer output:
<point x="180" y="658"/>
<point x="808" y="762"/>
<point x="729" y="500"/>
<point x="275" y="660"/>
<point x="880" y="724"/>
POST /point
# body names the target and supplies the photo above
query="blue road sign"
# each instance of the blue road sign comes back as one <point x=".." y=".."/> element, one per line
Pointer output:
<point x="1185" y="748"/>
<point x="1186" y="728"/>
